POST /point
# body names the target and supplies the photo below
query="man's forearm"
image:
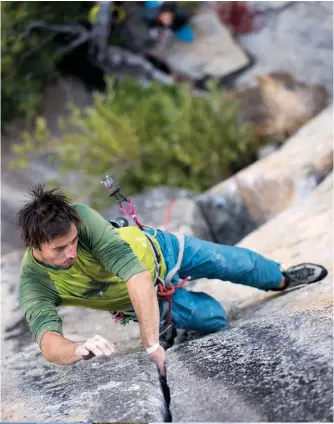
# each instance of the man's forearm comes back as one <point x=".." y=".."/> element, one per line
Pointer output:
<point x="144" y="300"/>
<point x="59" y="350"/>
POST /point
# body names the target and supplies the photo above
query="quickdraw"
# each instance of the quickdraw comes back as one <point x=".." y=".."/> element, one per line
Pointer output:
<point x="114" y="190"/>
<point x="122" y="318"/>
<point x="165" y="290"/>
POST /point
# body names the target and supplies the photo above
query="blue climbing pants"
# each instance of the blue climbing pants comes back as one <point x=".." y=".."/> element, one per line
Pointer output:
<point x="202" y="259"/>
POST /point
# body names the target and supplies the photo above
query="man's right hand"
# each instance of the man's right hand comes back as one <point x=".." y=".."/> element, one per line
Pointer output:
<point x="158" y="358"/>
<point x="96" y="346"/>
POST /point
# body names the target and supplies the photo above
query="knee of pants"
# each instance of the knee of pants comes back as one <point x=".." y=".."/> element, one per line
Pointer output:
<point x="197" y="311"/>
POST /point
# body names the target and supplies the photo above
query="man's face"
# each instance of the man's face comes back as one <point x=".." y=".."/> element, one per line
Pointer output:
<point x="166" y="18"/>
<point x="62" y="251"/>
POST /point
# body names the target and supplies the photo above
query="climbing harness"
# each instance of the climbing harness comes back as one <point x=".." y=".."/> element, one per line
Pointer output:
<point x="164" y="287"/>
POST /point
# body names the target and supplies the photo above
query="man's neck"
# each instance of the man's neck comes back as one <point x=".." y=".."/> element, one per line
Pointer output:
<point x="39" y="258"/>
<point x="37" y="255"/>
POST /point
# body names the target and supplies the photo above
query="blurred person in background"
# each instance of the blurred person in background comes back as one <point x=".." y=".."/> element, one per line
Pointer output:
<point x="165" y="19"/>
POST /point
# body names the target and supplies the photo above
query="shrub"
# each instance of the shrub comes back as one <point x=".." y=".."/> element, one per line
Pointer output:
<point x="148" y="136"/>
<point x="29" y="57"/>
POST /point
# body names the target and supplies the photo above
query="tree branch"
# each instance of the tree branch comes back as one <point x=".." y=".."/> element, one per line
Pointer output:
<point x="118" y="57"/>
<point x="70" y="29"/>
<point x="36" y="49"/>
<point x="101" y="29"/>
<point x="83" y="35"/>
<point x="77" y="42"/>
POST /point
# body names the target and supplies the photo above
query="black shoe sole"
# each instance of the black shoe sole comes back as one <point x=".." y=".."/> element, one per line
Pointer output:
<point x="295" y="283"/>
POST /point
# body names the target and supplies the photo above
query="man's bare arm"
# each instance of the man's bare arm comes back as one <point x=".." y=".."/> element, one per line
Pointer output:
<point x="144" y="300"/>
<point x="62" y="351"/>
<point x="145" y="303"/>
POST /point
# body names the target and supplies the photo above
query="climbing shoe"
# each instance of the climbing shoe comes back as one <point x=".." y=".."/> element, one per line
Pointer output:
<point x="303" y="274"/>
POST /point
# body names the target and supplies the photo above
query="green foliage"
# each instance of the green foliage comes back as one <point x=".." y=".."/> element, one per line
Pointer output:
<point x="148" y="136"/>
<point x="27" y="57"/>
<point x="188" y="6"/>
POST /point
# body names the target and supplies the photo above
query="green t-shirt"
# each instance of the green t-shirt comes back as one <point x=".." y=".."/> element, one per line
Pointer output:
<point x="106" y="259"/>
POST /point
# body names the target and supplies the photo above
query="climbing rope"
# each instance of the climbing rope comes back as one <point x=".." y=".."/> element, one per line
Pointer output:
<point x="166" y="294"/>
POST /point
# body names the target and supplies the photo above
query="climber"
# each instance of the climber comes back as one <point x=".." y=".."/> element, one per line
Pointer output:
<point x="165" y="17"/>
<point x="76" y="257"/>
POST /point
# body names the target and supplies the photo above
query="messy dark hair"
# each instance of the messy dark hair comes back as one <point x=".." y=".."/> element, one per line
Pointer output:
<point x="49" y="214"/>
<point x="170" y="6"/>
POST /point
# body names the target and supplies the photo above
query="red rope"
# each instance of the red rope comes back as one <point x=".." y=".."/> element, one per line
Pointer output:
<point x="167" y="293"/>
<point x="169" y="213"/>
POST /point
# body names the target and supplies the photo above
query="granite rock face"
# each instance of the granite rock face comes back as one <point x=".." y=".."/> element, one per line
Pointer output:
<point x="276" y="369"/>
<point x="259" y="192"/>
<point x="274" y="360"/>
<point x="123" y="388"/>
<point x="279" y="105"/>
<point x="297" y="37"/>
